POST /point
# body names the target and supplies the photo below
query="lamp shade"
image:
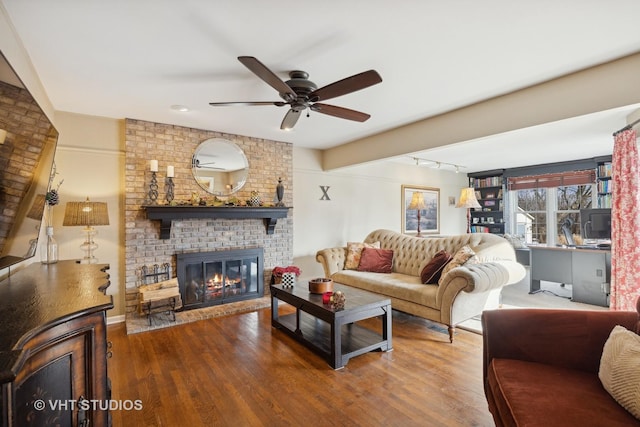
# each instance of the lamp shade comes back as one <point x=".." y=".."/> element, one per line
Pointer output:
<point x="417" y="201"/>
<point x="468" y="199"/>
<point x="86" y="213"/>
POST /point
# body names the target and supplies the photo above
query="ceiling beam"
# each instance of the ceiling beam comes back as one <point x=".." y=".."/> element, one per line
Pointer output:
<point x="610" y="85"/>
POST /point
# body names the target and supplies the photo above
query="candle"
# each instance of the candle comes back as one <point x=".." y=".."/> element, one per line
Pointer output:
<point x="326" y="297"/>
<point x="153" y="165"/>
<point x="170" y="172"/>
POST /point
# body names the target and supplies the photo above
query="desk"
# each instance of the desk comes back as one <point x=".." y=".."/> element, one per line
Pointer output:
<point x="587" y="270"/>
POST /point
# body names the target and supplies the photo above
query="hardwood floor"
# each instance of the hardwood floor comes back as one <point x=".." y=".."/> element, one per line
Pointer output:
<point x="239" y="371"/>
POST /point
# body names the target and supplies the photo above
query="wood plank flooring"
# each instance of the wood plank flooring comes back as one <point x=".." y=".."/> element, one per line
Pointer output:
<point x="239" y="371"/>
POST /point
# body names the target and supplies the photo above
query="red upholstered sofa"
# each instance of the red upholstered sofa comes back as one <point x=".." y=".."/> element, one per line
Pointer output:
<point x="541" y="367"/>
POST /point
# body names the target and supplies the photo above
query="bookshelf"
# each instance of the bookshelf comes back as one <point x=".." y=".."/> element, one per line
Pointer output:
<point x="489" y="218"/>
<point x="604" y="184"/>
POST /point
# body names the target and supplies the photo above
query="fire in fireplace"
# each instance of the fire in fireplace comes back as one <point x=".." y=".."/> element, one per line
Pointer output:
<point x="219" y="277"/>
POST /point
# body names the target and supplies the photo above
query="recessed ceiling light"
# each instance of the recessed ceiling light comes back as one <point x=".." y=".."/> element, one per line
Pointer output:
<point x="181" y="108"/>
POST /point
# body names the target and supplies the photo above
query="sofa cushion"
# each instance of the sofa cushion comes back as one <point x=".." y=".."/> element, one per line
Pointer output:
<point x="431" y="272"/>
<point x="535" y="394"/>
<point x="354" y="252"/>
<point x="463" y="255"/>
<point x="395" y="285"/>
<point x="620" y="368"/>
<point x="376" y="260"/>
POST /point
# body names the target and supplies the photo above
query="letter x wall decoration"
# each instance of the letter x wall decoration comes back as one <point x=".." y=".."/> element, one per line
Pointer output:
<point x="325" y="192"/>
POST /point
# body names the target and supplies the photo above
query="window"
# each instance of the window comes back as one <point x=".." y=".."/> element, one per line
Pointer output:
<point x="531" y="216"/>
<point x="570" y="200"/>
<point x="541" y="205"/>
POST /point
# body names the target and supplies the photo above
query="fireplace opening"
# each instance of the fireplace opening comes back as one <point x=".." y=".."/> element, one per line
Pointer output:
<point x="220" y="277"/>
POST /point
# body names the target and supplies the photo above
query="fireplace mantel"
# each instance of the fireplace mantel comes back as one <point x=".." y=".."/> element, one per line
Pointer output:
<point x="166" y="214"/>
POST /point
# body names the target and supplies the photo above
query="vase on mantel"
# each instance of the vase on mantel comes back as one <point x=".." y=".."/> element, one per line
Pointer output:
<point x="279" y="193"/>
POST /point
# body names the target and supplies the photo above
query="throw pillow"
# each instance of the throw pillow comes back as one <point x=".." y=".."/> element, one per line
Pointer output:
<point x="433" y="270"/>
<point x="620" y="368"/>
<point x="354" y="251"/>
<point x="376" y="260"/>
<point x="463" y="255"/>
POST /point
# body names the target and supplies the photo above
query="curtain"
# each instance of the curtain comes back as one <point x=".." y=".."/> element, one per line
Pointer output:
<point x="625" y="222"/>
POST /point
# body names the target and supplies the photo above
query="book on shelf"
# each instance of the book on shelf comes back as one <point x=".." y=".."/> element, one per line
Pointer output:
<point x="490" y="181"/>
<point x="605" y="186"/>
<point x="604" y="170"/>
<point x="604" y="200"/>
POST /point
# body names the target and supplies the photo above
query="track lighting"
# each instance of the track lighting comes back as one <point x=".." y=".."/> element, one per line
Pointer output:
<point x="438" y="164"/>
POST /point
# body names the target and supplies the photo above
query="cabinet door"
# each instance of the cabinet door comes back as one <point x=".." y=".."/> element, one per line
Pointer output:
<point x="551" y="265"/>
<point x="65" y="364"/>
<point x="591" y="275"/>
<point x="52" y="380"/>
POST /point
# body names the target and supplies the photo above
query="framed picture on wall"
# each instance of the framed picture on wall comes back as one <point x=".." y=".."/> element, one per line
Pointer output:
<point x="420" y="210"/>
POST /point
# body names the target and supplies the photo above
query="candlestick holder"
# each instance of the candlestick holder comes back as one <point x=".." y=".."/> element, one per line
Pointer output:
<point x="169" y="186"/>
<point x="153" y="189"/>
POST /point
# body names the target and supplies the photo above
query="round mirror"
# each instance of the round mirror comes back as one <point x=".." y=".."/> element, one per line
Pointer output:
<point x="219" y="166"/>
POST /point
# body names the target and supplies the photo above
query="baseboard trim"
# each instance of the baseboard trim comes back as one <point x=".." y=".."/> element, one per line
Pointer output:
<point x="115" y="319"/>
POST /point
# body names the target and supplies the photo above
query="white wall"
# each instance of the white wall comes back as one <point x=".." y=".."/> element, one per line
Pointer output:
<point x="363" y="198"/>
<point x="90" y="159"/>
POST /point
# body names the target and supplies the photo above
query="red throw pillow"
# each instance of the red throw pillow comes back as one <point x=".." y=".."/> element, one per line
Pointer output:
<point x="431" y="272"/>
<point x="376" y="260"/>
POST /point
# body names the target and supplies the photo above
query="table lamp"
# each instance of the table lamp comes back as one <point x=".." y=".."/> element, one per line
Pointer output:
<point x="468" y="200"/>
<point x="87" y="214"/>
<point x="417" y="203"/>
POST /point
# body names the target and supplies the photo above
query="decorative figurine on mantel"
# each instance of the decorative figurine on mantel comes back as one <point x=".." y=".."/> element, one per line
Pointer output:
<point x="254" y="200"/>
<point x="279" y="193"/>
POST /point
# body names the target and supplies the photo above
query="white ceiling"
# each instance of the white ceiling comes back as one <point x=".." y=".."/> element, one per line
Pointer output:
<point x="137" y="58"/>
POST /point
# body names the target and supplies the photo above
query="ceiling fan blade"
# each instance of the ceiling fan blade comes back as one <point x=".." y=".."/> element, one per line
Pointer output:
<point x="290" y="119"/>
<point x="341" y="112"/>
<point x="345" y="86"/>
<point x="241" y="103"/>
<point x="261" y="70"/>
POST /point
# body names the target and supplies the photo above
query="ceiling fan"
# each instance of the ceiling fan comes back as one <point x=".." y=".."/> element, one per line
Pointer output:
<point x="301" y="93"/>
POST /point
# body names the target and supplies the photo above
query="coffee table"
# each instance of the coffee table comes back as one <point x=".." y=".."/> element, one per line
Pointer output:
<point x="333" y="333"/>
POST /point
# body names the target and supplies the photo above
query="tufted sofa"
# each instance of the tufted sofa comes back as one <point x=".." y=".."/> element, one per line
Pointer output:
<point x="462" y="293"/>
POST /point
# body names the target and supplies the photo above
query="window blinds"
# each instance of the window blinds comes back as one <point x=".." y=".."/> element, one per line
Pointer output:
<point x="561" y="179"/>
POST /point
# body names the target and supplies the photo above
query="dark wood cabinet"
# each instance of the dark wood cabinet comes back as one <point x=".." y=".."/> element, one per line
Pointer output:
<point x="53" y="354"/>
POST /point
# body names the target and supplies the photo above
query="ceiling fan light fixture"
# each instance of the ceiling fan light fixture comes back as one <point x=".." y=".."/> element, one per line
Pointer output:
<point x="302" y="94"/>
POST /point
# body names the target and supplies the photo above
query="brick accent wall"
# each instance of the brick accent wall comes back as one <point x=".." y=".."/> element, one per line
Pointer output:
<point x="174" y="145"/>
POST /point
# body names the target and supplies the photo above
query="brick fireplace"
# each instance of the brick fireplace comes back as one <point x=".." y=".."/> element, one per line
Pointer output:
<point x="174" y="146"/>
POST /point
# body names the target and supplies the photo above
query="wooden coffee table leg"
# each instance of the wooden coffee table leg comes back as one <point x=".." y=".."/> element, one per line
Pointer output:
<point x="336" y="345"/>
<point x="386" y="327"/>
